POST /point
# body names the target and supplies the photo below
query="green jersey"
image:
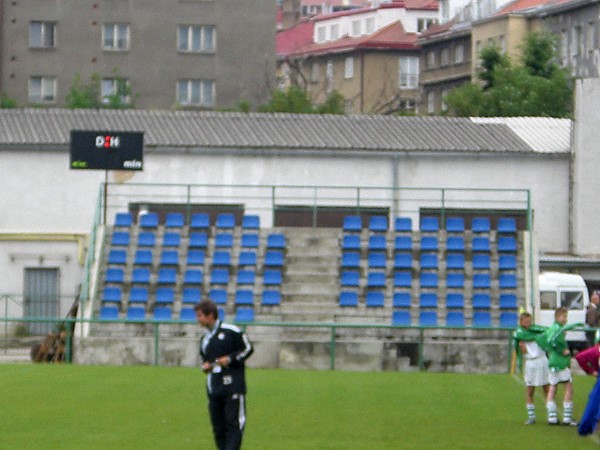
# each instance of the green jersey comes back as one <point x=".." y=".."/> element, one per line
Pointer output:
<point x="554" y="342"/>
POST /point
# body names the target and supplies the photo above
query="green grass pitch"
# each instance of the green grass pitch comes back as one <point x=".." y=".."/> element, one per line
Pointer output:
<point x="83" y="407"/>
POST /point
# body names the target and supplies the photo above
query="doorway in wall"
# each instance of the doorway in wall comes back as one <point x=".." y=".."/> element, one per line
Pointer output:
<point x="40" y="298"/>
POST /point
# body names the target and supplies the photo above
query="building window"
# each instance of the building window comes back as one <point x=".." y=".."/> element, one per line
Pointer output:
<point x="356" y="28"/>
<point x="444" y="95"/>
<point x="576" y="41"/>
<point x="591" y="37"/>
<point x="430" y="59"/>
<point x="409" y="72"/>
<point x="42" y="89"/>
<point x="445" y="57"/>
<point x="196" y="38"/>
<point x="314" y="72"/>
<point x="334" y="32"/>
<point x="430" y="102"/>
<point x="329" y="76"/>
<point x="349" y="67"/>
<point x="320" y="34"/>
<point x="112" y="89"/>
<point x="423" y="24"/>
<point x="115" y="36"/>
<point x="41" y="34"/>
<point x="196" y="92"/>
<point x="502" y="44"/>
<point x="564" y="48"/>
<point x="459" y="54"/>
<point x="370" y="25"/>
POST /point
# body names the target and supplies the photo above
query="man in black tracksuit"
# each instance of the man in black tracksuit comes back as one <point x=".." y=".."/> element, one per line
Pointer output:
<point x="224" y="350"/>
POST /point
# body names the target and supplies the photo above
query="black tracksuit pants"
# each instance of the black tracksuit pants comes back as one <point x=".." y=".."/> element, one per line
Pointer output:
<point x="228" y="418"/>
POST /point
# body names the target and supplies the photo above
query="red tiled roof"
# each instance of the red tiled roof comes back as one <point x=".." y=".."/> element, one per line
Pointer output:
<point x="288" y="41"/>
<point x="521" y="5"/>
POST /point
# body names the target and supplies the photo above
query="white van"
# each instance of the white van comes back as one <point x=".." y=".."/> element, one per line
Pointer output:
<point x="567" y="290"/>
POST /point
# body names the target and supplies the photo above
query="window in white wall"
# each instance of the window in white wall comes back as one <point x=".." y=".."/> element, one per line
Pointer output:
<point x="356" y="28"/>
<point x="370" y="22"/>
<point x="196" y="38"/>
<point x="196" y="92"/>
<point x="334" y="31"/>
<point x="576" y="41"/>
<point x="115" y="36"/>
<point x="349" y="67"/>
<point x="321" y="34"/>
<point x="42" y="34"/>
<point x="408" y="72"/>
<point x="42" y="89"/>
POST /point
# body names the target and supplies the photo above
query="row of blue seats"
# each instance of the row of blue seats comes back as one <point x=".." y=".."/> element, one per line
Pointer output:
<point x="198" y="240"/>
<point x="164" y="313"/>
<point x="480" y="319"/>
<point x="482" y="244"/>
<point x="177" y="220"/>
<point x="167" y="276"/>
<point x="189" y="295"/>
<point x="454" y="300"/>
<point x="272" y="258"/>
<point x="429" y="224"/>
<point x="400" y="279"/>
<point x="454" y="261"/>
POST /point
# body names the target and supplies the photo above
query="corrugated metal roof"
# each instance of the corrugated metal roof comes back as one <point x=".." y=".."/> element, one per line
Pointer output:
<point x="230" y="130"/>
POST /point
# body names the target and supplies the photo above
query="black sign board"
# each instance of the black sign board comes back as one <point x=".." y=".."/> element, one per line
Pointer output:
<point x="107" y="150"/>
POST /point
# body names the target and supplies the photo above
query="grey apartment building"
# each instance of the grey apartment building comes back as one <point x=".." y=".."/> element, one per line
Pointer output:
<point x="154" y="54"/>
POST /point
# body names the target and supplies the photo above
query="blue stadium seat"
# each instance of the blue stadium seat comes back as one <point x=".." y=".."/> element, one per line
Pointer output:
<point x="402" y="279"/>
<point x="455" y="280"/>
<point x="219" y="276"/>
<point x="224" y="240"/>
<point x="429" y="224"/>
<point x="140" y="275"/>
<point x="378" y="224"/>
<point x="401" y="318"/>
<point x="401" y="300"/>
<point x="200" y="221"/>
<point x="148" y="220"/>
<point x="481" y="301"/>
<point x="198" y="240"/>
<point x="455" y="244"/>
<point x="350" y="242"/>
<point x="508" y="319"/>
<point x="271" y="297"/>
<point x="136" y="313"/>
<point x="114" y="275"/>
<point x="219" y="296"/>
<point x="138" y="295"/>
<point x="109" y="313"/>
<point x="117" y="257"/>
<point x="480" y="244"/>
<point x="455" y="261"/>
<point x="244" y="315"/>
<point x="350" y="260"/>
<point x="120" y="239"/>
<point x="349" y="278"/>
<point x="429" y="280"/>
<point x="225" y="221"/>
<point x="191" y="295"/>
<point x="123" y="220"/>
<point x="402" y="261"/>
<point x="162" y="313"/>
<point x="192" y="276"/>
<point x="167" y="276"/>
<point x="428" y="319"/>
<point x="245" y="277"/>
<point x="403" y="244"/>
<point x="249" y="240"/>
<point x="481" y="281"/>
<point x="506" y="225"/>
<point x="482" y="319"/>
<point x="481" y="261"/>
<point x="111" y="294"/>
<point x="169" y="258"/>
<point x="142" y="258"/>
<point x="428" y="300"/>
<point x="403" y="225"/>
<point x="348" y="298"/>
<point x="171" y="239"/>
<point x="507" y="244"/>
<point x="375" y="280"/>
<point x="146" y="239"/>
<point x="429" y="261"/>
<point x="455" y="319"/>
<point x="376" y="260"/>
<point x="507" y="301"/>
<point x="195" y="258"/>
<point x="377" y="243"/>
<point x="247" y="258"/>
<point x="455" y="225"/>
<point x="187" y="314"/>
<point x="272" y="278"/>
<point x="507" y="281"/>
<point x="507" y="262"/>
<point x="480" y="225"/>
<point x="273" y="258"/>
<point x="375" y="299"/>
<point x="276" y="241"/>
<point x="250" y="222"/>
<point x="221" y="258"/>
<point x="455" y="300"/>
<point x="165" y="295"/>
<point x="352" y="223"/>
<point x="244" y="297"/>
<point x="429" y="243"/>
<point x="174" y="220"/>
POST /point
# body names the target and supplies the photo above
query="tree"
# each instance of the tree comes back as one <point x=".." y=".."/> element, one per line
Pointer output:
<point x="84" y="95"/>
<point x="297" y="100"/>
<point x="6" y="102"/>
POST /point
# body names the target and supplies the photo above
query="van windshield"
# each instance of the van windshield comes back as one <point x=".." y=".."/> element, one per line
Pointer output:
<point x="571" y="299"/>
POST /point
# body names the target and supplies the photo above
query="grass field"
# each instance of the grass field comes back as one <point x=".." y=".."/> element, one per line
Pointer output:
<point x="82" y="407"/>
